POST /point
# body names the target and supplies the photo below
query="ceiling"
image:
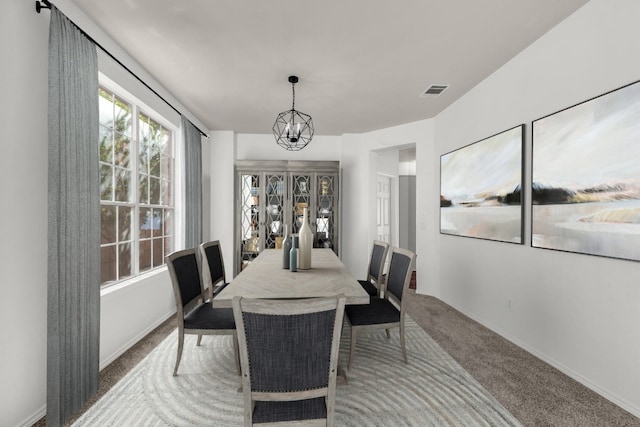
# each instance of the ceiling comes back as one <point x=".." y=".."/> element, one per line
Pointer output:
<point x="362" y="64"/>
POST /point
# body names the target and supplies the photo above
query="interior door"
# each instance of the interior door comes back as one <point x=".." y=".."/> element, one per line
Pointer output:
<point x="383" y="206"/>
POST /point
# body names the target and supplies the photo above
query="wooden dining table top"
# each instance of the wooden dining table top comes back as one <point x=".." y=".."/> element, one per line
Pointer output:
<point x="265" y="278"/>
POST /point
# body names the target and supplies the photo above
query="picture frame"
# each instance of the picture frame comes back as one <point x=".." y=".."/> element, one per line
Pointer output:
<point x="481" y="188"/>
<point x="585" y="182"/>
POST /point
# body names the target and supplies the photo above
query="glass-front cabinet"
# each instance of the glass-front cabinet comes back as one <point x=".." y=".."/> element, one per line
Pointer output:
<point x="272" y="194"/>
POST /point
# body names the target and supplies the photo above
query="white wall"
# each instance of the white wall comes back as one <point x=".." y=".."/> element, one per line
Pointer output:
<point x="264" y="147"/>
<point x="580" y="313"/>
<point x="218" y="157"/>
<point x="127" y="313"/>
<point x="359" y="165"/>
<point x="23" y="170"/>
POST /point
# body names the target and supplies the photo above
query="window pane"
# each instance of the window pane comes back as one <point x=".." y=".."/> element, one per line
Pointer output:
<point x="105" y="106"/>
<point x="124" y="265"/>
<point x="122" y="150"/>
<point x="154" y="191"/>
<point x="143" y="124"/>
<point x="166" y="164"/>
<point x="167" y="144"/>
<point x="145" y="223"/>
<point x="108" y="263"/>
<point x="106" y="144"/>
<point x="143" y="193"/>
<point x="168" y="245"/>
<point x="145" y="255"/>
<point x="166" y="193"/>
<point x="123" y="185"/>
<point x="108" y="224"/>
<point x="122" y="117"/>
<point x="124" y="223"/>
<point x="158" y="258"/>
<point x="157" y="222"/>
<point x="154" y="161"/>
<point x="106" y="183"/>
<point x="168" y="225"/>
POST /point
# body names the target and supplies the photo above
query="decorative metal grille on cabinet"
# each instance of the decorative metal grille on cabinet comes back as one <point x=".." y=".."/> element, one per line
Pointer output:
<point x="250" y="214"/>
<point x="301" y="187"/>
<point x="325" y="211"/>
<point x="274" y="213"/>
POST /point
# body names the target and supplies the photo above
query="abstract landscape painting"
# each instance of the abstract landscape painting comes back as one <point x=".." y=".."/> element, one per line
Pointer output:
<point x="481" y="188"/>
<point x="586" y="177"/>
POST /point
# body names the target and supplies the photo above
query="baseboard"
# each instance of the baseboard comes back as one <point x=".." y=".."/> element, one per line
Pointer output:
<point x="617" y="400"/>
<point x="35" y="417"/>
<point x="134" y="340"/>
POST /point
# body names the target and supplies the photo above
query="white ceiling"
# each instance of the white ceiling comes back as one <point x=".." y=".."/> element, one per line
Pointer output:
<point x="362" y="64"/>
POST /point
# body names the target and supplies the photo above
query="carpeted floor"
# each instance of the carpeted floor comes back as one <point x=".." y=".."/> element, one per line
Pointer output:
<point x="432" y="390"/>
<point x="532" y="391"/>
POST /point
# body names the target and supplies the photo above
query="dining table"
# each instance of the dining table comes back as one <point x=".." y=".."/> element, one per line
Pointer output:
<point x="265" y="277"/>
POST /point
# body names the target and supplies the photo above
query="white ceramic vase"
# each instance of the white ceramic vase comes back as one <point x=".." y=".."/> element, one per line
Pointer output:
<point x="305" y="243"/>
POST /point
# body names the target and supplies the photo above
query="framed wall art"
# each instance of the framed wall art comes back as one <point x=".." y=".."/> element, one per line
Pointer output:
<point x="586" y="177"/>
<point x="481" y="188"/>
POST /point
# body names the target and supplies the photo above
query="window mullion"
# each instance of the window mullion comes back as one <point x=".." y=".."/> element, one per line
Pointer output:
<point x="135" y="221"/>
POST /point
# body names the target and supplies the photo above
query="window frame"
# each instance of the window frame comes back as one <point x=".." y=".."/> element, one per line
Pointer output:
<point x="140" y="109"/>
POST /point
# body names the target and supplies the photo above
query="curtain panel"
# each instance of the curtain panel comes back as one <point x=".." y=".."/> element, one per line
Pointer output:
<point x="73" y="313"/>
<point x="193" y="183"/>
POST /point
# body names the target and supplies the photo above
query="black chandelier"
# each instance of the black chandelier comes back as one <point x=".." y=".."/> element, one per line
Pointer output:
<point x="293" y="129"/>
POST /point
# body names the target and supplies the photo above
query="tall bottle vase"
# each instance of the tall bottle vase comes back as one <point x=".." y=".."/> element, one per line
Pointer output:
<point x="306" y="242"/>
<point x="286" y="248"/>
<point x="293" y="254"/>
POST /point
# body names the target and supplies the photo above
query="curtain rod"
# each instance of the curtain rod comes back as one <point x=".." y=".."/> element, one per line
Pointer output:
<point x="46" y="4"/>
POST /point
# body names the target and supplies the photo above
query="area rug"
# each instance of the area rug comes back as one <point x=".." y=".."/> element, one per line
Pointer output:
<point x="432" y="390"/>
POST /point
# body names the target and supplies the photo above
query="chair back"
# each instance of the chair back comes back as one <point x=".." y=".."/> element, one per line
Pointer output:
<point x="288" y="349"/>
<point x="185" y="277"/>
<point x="399" y="274"/>
<point x="213" y="264"/>
<point x="378" y="257"/>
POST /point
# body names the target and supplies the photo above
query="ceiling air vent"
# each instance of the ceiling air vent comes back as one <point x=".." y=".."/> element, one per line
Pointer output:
<point x="434" y="90"/>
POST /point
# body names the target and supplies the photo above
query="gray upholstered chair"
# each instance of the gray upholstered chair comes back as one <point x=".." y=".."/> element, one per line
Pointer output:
<point x="387" y="312"/>
<point x="213" y="277"/>
<point x="195" y="316"/>
<point x="374" y="283"/>
<point x="289" y="358"/>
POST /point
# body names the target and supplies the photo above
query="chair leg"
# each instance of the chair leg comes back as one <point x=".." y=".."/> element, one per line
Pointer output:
<point x="402" y="343"/>
<point x="199" y="340"/>
<point x="388" y="333"/>
<point x="352" y="351"/>
<point x="180" y="344"/>
<point x="236" y="352"/>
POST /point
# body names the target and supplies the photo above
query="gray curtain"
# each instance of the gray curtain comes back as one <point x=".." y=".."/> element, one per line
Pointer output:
<point x="193" y="183"/>
<point x="73" y="317"/>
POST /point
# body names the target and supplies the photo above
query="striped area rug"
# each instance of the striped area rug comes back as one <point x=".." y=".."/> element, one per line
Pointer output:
<point x="432" y="390"/>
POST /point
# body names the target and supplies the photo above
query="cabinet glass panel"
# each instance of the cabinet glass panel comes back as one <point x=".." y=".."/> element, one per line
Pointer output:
<point x="274" y="214"/>
<point x="301" y="198"/>
<point x="325" y="211"/>
<point x="249" y="217"/>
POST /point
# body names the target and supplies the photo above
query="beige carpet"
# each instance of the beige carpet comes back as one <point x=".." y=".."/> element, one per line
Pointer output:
<point x="432" y="390"/>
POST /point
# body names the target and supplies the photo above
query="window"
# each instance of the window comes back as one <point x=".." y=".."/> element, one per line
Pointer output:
<point x="136" y="188"/>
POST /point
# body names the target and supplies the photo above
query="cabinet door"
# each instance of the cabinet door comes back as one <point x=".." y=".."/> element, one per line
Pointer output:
<point x="326" y="211"/>
<point x="301" y="192"/>
<point x="275" y="197"/>
<point x="250" y="207"/>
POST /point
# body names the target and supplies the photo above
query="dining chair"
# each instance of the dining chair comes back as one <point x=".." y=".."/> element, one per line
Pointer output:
<point x="213" y="276"/>
<point x="195" y="315"/>
<point x="289" y="357"/>
<point x="374" y="282"/>
<point x="389" y="311"/>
